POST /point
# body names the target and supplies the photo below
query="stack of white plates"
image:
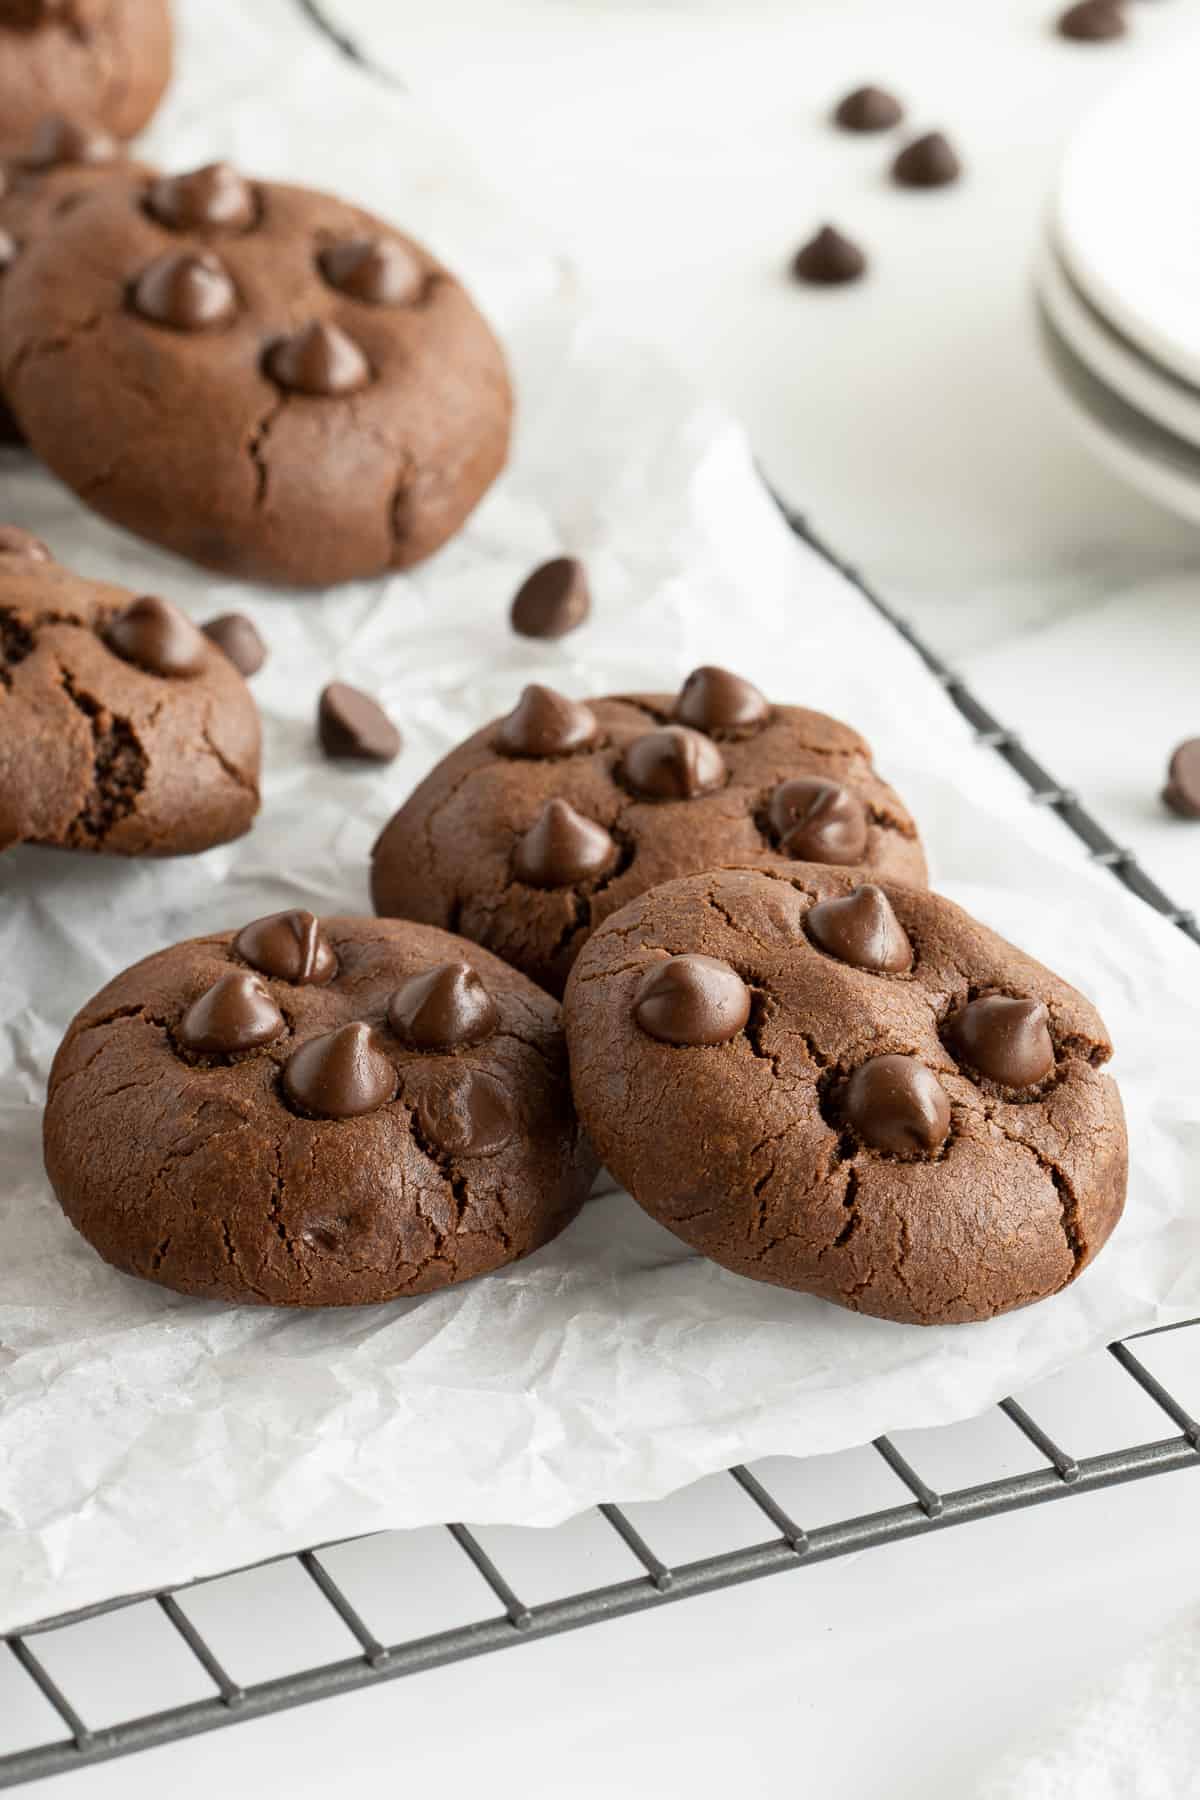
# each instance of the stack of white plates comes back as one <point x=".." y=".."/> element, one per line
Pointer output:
<point x="1118" y="283"/>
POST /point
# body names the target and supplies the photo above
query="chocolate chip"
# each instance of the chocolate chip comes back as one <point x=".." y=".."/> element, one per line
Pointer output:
<point x="861" y="929"/>
<point x="444" y="1008"/>
<point x="1093" y="22"/>
<point x="289" y="945"/>
<point x="1182" y="792"/>
<point x="717" y="702"/>
<point x="319" y="360"/>
<point x="157" y="637"/>
<point x="58" y="140"/>
<point x="675" y="763"/>
<point x="553" y="600"/>
<point x="8" y="251"/>
<point x="1003" y="1039"/>
<point x="350" y="724"/>
<point x="16" y="542"/>
<point x="561" y="848"/>
<point x="545" y="723"/>
<point x="817" y="820"/>
<point x="214" y="198"/>
<point x="237" y="638"/>
<point x="895" y="1103"/>
<point x="187" y="290"/>
<point x="340" y="1075"/>
<point x="828" y="259"/>
<point x="692" y="1000"/>
<point x="375" y="270"/>
<point x="927" y="162"/>
<point x="464" y="1114"/>
<point x="237" y="1014"/>
<point x="868" y="109"/>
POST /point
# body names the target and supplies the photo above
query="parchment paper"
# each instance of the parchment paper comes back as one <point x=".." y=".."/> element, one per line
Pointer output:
<point x="146" y="1438"/>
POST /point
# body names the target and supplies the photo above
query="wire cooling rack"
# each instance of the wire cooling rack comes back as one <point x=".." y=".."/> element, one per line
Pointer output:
<point x="509" y="1621"/>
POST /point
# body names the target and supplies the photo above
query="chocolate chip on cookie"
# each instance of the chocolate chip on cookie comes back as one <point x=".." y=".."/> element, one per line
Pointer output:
<point x="254" y="1134"/>
<point x="122" y="729"/>
<point x="880" y="1101"/>
<point x="328" y="402"/>
<point x="105" y="62"/>
<point x="529" y="834"/>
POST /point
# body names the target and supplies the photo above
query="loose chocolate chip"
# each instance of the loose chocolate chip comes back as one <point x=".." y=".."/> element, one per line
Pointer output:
<point x="16" y="542"/>
<point x="1093" y="22"/>
<point x="157" y="637"/>
<point x="58" y="140"/>
<point x="861" y="929"/>
<point x="8" y="250"/>
<point x="350" y="724"/>
<point x="818" y="821"/>
<point x="319" y="360"/>
<point x="553" y="600"/>
<point x="215" y="198"/>
<point x="717" y="702"/>
<point x="289" y="945"/>
<point x="675" y="763"/>
<point x="561" y="848"/>
<point x="692" y="1000"/>
<point x="444" y="1008"/>
<point x="190" y="291"/>
<point x="1182" y="792"/>
<point x="376" y="270"/>
<point x="929" y="161"/>
<point x="545" y="723"/>
<point x="868" y="109"/>
<point x="895" y="1103"/>
<point x="237" y="638"/>
<point x="1004" y="1039"/>
<point x="340" y="1075"/>
<point x="237" y="1014"/>
<point x="828" y="259"/>
<point x="464" y="1114"/>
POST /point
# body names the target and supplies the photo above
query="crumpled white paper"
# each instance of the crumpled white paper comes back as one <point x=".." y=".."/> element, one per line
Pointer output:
<point x="146" y="1438"/>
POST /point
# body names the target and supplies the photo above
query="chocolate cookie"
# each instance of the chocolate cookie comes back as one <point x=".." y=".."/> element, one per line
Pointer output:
<point x="316" y="1113"/>
<point x="62" y="162"/>
<point x="122" y="728"/>
<point x="104" y="60"/>
<point x="850" y="1089"/>
<point x="537" y="828"/>
<point x="265" y="379"/>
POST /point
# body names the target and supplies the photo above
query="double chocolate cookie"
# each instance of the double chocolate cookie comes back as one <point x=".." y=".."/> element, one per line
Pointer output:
<point x="532" y="832"/>
<point x="263" y="378"/>
<point x="104" y="60"/>
<point x="316" y="1113"/>
<point x="122" y="728"/>
<point x="848" y="1088"/>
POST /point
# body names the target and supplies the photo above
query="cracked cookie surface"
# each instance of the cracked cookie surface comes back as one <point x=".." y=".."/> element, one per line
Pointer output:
<point x="102" y="752"/>
<point x="316" y="1113"/>
<point x="262" y="378"/>
<point x="104" y="60"/>
<point x="912" y="1121"/>
<point x="537" y="828"/>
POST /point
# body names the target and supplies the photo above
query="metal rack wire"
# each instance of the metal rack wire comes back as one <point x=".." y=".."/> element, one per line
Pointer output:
<point x="790" y="1545"/>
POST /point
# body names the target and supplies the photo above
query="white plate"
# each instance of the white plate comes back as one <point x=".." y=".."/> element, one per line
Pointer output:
<point x="1158" y="463"/>
<point x="1111" y="358"/>
<point x="1125" y="216"/>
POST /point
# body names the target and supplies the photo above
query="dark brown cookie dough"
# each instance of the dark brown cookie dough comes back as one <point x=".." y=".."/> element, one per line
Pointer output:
<point x="316" y="1114"/>
<point x="262" y="378"/>
<point x="104" y="60"/>
<point x="849" y="1089"/>
<point x="122" y="728"/>
<point x="542" y="824"/>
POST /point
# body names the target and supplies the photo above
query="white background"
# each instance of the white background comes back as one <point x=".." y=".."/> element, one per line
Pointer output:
<point x="679" y="154"/>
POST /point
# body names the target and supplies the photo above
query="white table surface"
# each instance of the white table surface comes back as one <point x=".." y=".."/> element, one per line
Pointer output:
<point x="679" y="153"/>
